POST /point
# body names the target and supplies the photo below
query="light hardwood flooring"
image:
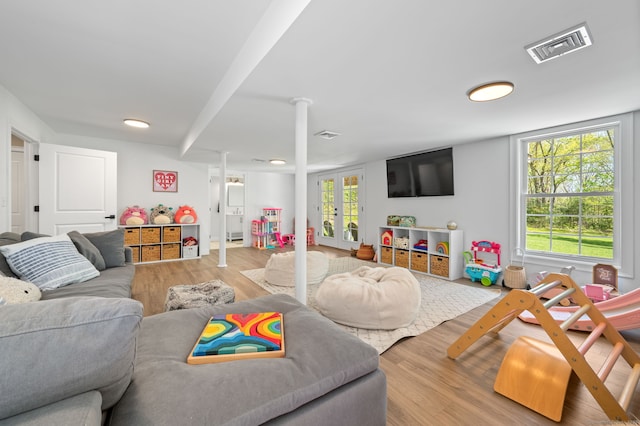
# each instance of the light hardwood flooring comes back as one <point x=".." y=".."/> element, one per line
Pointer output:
<point x="424" y="386"/>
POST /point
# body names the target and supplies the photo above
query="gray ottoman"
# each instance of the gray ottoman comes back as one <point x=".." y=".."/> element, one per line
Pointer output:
<point x="189" y="296"/>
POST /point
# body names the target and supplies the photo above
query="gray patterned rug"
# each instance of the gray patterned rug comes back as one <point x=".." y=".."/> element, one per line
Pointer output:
<point x="441" y="301"/>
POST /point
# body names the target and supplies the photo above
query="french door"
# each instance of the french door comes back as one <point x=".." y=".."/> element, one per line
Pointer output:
<point x="341" y="211"/>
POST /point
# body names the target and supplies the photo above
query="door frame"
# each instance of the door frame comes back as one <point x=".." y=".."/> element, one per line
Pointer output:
<point x="338" y="241"/>
<point x="30" y="200"/>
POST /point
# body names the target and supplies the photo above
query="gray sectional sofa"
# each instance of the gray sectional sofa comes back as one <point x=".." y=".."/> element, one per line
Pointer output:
<point x="74" y="358"/>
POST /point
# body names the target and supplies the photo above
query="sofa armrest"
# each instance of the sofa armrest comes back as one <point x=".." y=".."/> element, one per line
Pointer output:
<point x="52" y="350"/>
<point x="128" y="254"/>
<point x="83" y="409"/>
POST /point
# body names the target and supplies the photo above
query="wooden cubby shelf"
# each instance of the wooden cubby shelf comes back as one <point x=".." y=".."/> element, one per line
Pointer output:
<point x="160" y="243"/>
<point x="431" y="251"/>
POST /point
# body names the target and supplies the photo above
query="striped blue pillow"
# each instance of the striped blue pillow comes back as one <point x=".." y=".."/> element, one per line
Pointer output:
<point x="49" y="262"/>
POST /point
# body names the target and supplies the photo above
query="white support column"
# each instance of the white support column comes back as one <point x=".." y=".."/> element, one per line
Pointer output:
<point x="300" y="230"/>
<point x="222" y="256"/>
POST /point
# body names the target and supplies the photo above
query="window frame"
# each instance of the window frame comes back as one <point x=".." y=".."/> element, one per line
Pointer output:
<point x="623" y="193"/>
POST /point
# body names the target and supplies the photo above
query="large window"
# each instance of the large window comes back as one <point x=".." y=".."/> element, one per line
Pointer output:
<point x="573" y="193"/>
<point x="569" y="202"/>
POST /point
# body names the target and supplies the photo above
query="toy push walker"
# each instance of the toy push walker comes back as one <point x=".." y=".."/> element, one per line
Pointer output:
<point x="536" y="373"/>
<point x="476" y="268"/>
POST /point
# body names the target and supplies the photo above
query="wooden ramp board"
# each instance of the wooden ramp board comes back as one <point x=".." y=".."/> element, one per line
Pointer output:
<point x="536" y="375"/>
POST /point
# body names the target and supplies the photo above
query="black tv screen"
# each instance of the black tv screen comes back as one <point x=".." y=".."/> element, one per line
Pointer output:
<point x="426" y="174"/>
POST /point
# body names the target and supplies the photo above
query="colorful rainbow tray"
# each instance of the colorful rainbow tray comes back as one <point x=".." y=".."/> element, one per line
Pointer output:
<point x="229" y="337"/>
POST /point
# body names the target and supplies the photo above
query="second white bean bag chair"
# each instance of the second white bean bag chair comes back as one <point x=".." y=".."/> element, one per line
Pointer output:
<point x="371" y="298"/>
<point x="280" y="268"/>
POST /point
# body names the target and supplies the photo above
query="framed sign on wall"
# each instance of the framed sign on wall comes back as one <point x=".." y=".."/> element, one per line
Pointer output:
<point x="165" y="181"/>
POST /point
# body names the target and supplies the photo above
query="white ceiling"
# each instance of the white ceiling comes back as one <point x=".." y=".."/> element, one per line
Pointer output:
<point x="390" y="76"/>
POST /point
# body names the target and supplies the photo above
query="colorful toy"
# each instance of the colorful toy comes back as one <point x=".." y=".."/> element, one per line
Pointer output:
<point x="421" y="245"/>
<point x="442" y="247"/>
<point x="623" y="312"/>
<point x="387" y="238"/>
<point x="186" y="214"/>
<point x="133" y="215"/>
<point x="161" y="215"/>
<point x="189" y="241"/>
<point x="487" y="274"/>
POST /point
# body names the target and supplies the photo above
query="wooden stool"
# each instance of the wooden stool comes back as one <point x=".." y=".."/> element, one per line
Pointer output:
<point x="536" y="375"/>
<point x="311" y="240"/>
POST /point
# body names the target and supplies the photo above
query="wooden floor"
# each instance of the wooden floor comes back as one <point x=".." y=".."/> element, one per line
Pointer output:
<point x="424" y="386"/>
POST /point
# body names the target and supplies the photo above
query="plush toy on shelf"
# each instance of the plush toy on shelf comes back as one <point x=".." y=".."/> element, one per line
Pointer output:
<point x="133" y="215"/>
<point x="186" y="214"/>
<point x="189" y="241"/>
<point x="161" y="215"/>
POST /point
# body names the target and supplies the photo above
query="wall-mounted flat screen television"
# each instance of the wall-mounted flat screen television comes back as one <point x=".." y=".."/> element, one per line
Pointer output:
<point x="425" y="174"/>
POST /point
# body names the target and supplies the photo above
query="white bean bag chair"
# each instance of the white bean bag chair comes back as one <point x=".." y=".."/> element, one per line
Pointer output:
<point x="371" y="298"/>
<point x="280" y="269"/>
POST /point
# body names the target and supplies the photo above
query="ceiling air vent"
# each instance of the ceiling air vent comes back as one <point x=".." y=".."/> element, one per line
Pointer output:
<point x="327" y="134"/>
<point x="560" y="44"/>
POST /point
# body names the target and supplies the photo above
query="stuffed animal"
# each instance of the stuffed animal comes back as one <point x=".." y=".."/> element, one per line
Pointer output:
<point x="14" y="291"/>
<point x="161" y="215"/>
<point x="189" y="241"/>
<point x="186" y="214"/>
<point x="133" y="215"/>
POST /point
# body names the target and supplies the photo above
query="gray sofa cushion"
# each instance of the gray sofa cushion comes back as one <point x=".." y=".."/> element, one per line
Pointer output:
<point x="88" y="250"/>
<point x="110" y="244"/>
<point x="7" y="238"/>
<point x="112" y="282"/>
<point x="319" y="359"/>
<point x="28" y="235"/>
<point x="53" y="350"/>
<point x="82" y="410"/>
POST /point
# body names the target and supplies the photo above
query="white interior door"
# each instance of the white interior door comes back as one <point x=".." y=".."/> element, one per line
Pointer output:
<point x="78" y="189"/>
<point x="341" y="209"/>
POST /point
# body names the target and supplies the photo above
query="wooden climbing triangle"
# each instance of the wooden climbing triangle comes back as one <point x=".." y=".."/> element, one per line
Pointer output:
<point x="536" y="373"/>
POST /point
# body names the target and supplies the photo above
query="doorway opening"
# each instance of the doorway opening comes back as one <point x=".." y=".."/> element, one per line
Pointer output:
<point x="235" y="211"/>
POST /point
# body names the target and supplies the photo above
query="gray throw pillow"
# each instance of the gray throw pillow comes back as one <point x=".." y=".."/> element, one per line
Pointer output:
<point x="7" y="238"/>
<point x="88" y="250"/>
<point x="55" y="349"/>
<point x="28" y="235"/>
<point x="111" y="246"/>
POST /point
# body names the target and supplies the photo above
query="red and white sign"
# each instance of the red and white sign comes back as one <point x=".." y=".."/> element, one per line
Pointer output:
<point x="165" y="181"/>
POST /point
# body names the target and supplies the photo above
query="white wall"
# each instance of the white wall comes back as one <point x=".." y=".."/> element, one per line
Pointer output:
<point x="480" y="205"/>
<point x="135" y="177"/>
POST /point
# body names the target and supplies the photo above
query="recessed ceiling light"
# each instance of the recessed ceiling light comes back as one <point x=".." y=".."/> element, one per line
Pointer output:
<point x="136" y="123"/>
<point x="277" y="162"/>
<point x="327" y="134"/>
<point x="490" y="91"/>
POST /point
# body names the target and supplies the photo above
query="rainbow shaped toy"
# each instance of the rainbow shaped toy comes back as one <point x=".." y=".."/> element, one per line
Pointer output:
<point x="442" y="247"/>
<point x="239" y="336"/>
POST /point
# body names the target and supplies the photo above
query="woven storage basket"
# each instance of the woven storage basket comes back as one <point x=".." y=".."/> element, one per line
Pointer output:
<point x="515" y="276"/>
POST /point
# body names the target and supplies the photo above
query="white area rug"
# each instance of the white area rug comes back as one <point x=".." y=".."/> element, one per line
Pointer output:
<point x="441" y="301"/>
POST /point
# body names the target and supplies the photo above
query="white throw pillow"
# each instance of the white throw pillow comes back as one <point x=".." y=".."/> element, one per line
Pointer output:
<point x="49" y="262"/>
